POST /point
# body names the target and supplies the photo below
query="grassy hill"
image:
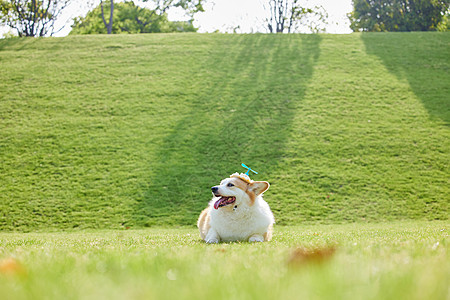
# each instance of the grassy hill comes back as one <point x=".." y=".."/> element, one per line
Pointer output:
<point x="133" y="130"/>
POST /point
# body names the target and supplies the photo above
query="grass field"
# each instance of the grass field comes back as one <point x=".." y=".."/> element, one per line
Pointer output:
<point x="101" y="136"/>
<point x="133" y="130"/>
<point x="401" y="260"/>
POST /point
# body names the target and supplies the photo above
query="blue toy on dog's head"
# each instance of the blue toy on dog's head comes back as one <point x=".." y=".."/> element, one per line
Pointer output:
<point x="244" y="176"/>
<point x="248" y="169"/>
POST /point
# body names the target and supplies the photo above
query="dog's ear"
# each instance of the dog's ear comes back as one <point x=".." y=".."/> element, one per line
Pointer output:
<point x="259" y="187"/>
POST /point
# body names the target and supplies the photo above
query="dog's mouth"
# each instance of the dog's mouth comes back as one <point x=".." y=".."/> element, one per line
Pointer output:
<point x="224" y="201"/>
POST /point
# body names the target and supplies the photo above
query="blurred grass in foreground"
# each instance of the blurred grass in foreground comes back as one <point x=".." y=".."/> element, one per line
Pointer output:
<point x="402" y="260"/>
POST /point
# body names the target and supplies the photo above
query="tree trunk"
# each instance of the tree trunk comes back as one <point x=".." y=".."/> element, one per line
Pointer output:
<point x="110" y="23"/>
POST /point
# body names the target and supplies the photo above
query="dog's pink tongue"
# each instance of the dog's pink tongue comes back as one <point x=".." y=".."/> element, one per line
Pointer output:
<point x="218" y="202"/>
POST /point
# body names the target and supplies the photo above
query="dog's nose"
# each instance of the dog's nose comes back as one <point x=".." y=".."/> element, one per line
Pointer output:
<point x="214" y="189"/>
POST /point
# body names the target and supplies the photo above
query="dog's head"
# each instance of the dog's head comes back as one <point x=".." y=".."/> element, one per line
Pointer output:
<point x="238" y="190"/>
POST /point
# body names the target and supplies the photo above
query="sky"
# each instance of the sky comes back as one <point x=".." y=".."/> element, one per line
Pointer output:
<point x="244" y="16"/>
<point x="225" y="15"/>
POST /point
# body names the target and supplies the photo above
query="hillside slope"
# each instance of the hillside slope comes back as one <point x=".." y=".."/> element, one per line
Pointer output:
<point x="133" y="130"/>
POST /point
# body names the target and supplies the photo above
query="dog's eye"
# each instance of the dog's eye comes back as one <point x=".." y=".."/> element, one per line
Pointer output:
<point x="230" y="185"/>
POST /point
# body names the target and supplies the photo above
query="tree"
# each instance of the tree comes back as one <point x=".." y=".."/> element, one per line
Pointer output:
<point x="289" y="15"/>
<point x="190" y="6"/>
<point x="444" y="25"/>
<point x="31" y="17"/>
<point x="111" y="13"/>
<point x="127" y="18"/>
<point x="398" y="15"/>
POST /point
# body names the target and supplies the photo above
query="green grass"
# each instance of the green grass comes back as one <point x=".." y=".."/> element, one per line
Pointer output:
<point x="392" y="261"/>
<point x="133" y="130"/>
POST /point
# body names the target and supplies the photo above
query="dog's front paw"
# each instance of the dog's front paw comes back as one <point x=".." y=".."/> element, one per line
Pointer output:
<point x="212" y="237"/>
<point x="211" y="240"/>
<point x="256" y="238"/>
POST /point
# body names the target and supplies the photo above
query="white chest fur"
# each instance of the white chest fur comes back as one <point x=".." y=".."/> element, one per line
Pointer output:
<point x="239" y="223"/>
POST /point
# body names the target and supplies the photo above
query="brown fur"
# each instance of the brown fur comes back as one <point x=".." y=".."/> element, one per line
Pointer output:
<point x="256" y="188"/>
<point x="240" y="183"/>
<point x="203" y="222"/>
<point x="252" y="189"/>
<point x="245" y="187"/>
<point x="268" y="235"/>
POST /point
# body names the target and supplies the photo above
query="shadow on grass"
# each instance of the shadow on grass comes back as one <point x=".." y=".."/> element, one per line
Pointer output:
<point x="424" y="64"/>
<point x="17" y="44"/>
<point x="243" y="114"/>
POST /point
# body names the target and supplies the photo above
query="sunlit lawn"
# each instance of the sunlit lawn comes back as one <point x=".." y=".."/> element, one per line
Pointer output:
<point x="403" y="260"/>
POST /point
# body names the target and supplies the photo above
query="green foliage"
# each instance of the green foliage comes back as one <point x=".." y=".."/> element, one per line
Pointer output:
<point x="386" y="261"/>
<point x="128" y="18"/>
<point x="444" y="25"/>
<point x="133" y="130"/>
<point x="397" y="15"/>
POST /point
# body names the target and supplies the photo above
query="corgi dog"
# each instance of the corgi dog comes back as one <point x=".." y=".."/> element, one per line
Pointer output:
<point x="237" y="212"/>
